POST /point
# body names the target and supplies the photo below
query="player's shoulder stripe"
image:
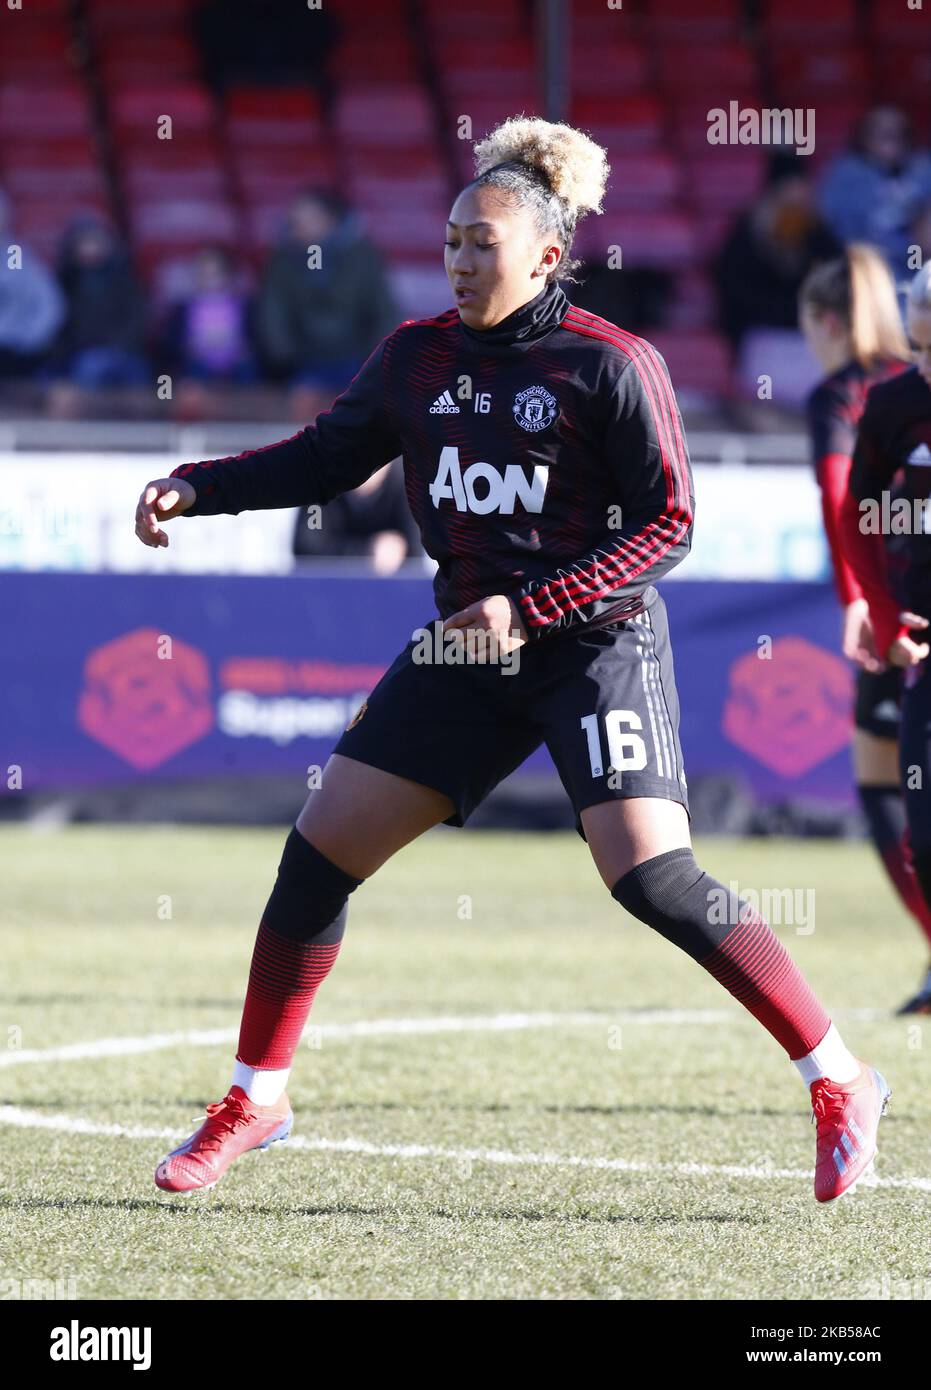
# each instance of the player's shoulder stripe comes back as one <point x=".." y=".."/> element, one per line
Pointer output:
<point x="443" y="320"/>
<point x="594" y="326"/>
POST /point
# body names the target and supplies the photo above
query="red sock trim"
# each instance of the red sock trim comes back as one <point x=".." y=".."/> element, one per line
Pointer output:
<point x="283" y="979"/>
<point x="758" y="971"/>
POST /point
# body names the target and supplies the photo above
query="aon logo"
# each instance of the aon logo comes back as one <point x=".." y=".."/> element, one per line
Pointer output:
<point x="482" y="489"/>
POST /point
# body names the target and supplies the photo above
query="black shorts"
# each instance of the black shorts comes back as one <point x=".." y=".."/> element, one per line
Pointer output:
<point x="603" y="702"/>
<point x="878" y="703"/>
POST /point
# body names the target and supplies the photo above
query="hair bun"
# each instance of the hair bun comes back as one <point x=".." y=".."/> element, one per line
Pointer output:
<point x="575" y="167"/>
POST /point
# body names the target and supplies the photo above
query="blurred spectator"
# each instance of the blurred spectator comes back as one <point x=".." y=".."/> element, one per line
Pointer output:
<point x="770" y="250"/>
<point x="263" y="41"/>
<point x="102" y="342"/>
<point x="208" y="336"/>
<point x="639" y="299"/>
<point x="372" y="520"/>
<point x="317" y="326"/>
<point x="871" y="193"/>
<point x="31" y="304"/>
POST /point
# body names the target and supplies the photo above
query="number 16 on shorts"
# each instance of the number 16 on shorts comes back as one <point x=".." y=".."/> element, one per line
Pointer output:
<point x="627" y="751"/>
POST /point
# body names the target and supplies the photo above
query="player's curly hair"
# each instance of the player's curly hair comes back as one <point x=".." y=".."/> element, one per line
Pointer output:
<point x="557" y="171"/>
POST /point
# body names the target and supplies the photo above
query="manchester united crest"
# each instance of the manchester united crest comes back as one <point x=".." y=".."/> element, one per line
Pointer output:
<point x="534" y="408"/>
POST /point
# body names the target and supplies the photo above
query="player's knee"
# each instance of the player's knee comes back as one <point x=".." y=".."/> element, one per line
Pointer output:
<point x="674" y="896"/>
<point x="310" y="896"/>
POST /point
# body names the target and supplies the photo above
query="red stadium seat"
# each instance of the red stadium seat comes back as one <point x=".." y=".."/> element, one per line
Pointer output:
<point x="140" y="108"/>
<point x="728" y="68"/>
<point x="905" y="69"/>
<point x="807" y="23"/>
<point x="389" y="114"/>
<point x="815" y="75"/>
<point x="665" y="240"/>
<point x="645" y="182"/>
<point x="708" y="21"/>
<point x="125" y="59"/>
<point x="896" y="24"/>
<point x="621" y="123"/>
<point x="410" y="234"/>
<point x="392" y="59"/>
<point x="491" y="19"/>
<point x="39" y="111"/>
<point x="187" y="221"/>
<point x="30" y="52"/>
<point x="41" y="223"/>
<point x="276" y="179"/>
<point x="117" y="14"/>
<point x="482" y="64"/>
<point x="697" y="361"/>
<point x="694" y="303"/>
<point x="725" y="177"/>
<point x="266" y="119"/>
<point x="619" y="68"/>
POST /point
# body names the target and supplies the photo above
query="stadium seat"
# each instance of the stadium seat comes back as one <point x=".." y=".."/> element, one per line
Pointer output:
<point x="813" y="75"/>
<point x="725" y="70"/>
<point x="139" y="108"/>
<point x="618" y="68"/>
<point x="34" y="52"/>
<point x="725" y="178"/>
<point x="621" y="123"/>
<point x="646" y="182"/>
<point x="31" y="111"/>
<point x="664" y="240"/>
<point x="383" y="115"/>
<point x="358" y="57"/>
<point x="683" y="20"/>
<point x="40" y="223"/>
<point x="126" y="60"/>
<point x="807" y="23"/>
<point x="698" y="361"/>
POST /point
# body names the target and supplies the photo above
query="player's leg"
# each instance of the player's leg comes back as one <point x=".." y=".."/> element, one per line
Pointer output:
<point x="628" y="786"/>
<point x="877" y="717"/>
<point x="359" y="817"/>
<point x="426" y="746"/>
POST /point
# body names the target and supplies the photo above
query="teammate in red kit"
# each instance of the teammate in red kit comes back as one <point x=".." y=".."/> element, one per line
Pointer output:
<point x="850" y="317"/>
<point x="546" y="467"/>
<point x="894" y="439"/>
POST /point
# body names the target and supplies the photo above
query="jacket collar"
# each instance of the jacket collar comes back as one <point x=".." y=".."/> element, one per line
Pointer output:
<point x="525" y="325"/>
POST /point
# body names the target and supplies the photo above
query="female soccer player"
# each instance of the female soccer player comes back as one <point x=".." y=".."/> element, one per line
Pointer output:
<point x="850" y="317"/>
<point x="895" y="434"/>
<point x="547" y="471"/>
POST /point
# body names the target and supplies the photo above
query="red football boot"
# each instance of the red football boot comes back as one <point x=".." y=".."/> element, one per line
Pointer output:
<point x="848" y="1115"/>
<point x="232" y="1127"/>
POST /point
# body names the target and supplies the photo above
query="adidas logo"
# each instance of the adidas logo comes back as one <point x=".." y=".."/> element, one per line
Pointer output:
<point x="920" y="457"/>
<point x="444" y="405"/>
<point x="887" y="710"/>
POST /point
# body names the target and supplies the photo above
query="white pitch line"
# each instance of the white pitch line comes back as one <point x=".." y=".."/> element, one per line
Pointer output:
<point x="68" y="1124"/>
<point x="495" y="1023"/>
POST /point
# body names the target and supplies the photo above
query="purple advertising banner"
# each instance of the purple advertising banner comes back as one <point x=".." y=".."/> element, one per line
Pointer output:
<point x="112" y="679"/>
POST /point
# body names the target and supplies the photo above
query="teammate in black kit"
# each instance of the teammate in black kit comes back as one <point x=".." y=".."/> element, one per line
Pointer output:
<point x="850" y="318"/>
<point x="546" y="467"/>
<point x="894" y="439"/>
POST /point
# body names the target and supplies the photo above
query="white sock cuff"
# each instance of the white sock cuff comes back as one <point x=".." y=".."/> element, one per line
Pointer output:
<point x="262" y="1085"/>
<point x="830" y="1058"/>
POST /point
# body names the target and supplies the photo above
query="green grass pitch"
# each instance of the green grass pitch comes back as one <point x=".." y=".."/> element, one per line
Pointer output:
<point x="625" y="1132"/>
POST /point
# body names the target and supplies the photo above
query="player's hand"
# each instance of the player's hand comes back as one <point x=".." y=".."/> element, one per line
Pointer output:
<point x="160" y="501"/>
<point x="498" y="617"/>
<point x="858" y="642"/>
<point x="905" y="651"/>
